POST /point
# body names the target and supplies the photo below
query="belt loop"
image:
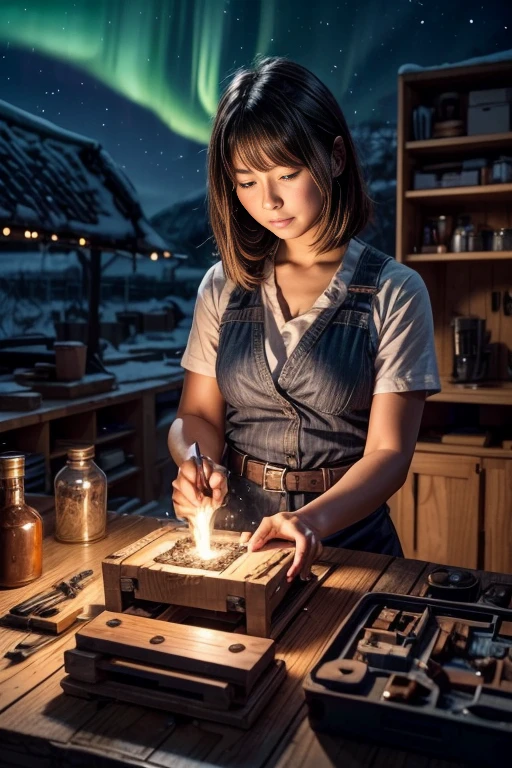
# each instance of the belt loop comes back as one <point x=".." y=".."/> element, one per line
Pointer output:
<point x="326" y="478"/>
<point x="245" y="459"/>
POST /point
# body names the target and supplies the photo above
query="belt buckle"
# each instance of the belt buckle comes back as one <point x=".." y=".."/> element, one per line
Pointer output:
<point x="272" y="468"/>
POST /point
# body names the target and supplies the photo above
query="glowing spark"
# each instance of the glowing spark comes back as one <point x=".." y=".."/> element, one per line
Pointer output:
<point x="201" y="530"/>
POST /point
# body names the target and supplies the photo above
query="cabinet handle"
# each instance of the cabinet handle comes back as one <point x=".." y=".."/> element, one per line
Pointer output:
<point x="415" y="511"/>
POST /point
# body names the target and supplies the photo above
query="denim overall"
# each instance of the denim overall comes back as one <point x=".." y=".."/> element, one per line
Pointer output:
<point x="315" y="415"/>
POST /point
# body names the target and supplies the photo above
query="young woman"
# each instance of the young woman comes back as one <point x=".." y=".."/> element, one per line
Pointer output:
<point x="311" y="353"/>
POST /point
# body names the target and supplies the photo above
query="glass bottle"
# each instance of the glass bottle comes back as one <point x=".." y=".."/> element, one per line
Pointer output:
<point x="80" y="499"/>
<point x="21" y="527"/>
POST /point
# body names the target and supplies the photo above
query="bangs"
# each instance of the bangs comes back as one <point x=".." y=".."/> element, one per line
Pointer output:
<point x="279" y="115"/>
<point x="261" y="146"/>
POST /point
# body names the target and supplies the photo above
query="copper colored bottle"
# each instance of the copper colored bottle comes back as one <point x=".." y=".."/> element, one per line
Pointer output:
<point x="21" y="527"/>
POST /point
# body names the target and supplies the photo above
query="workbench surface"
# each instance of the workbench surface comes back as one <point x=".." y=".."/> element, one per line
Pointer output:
<point x="41" y="726"/>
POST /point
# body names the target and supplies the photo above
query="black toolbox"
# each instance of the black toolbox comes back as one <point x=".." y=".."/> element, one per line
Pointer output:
<point x="422" y="674"/>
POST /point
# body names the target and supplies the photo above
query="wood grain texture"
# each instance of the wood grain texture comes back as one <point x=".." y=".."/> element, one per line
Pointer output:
<point x="184" y="648"/>
<point x="458" y="285"/>
<point x="41" y="727"/>
<point x="257" y="577"/>
<point x="241" y="715"/>
<point x="438" y="512"/>
<point x="498" y="515"/>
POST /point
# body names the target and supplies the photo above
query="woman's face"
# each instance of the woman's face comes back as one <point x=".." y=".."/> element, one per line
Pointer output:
<point x="285" y="201"/>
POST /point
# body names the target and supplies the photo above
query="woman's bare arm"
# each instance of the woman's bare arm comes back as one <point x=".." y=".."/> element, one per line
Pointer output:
<point x="200" y="418"/>
<point x="201" y="415"/>
<point x="392" y="433"/>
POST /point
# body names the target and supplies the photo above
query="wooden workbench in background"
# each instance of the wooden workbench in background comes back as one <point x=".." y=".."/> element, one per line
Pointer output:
<point x="137" y="406"/>
<point x="42" y="727"/>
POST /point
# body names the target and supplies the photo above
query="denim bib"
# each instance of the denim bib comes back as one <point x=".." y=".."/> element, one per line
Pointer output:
<point x="317" y="413"/>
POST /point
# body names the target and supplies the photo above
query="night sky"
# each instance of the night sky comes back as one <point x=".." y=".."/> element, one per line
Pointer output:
<point x="143" y="78"/>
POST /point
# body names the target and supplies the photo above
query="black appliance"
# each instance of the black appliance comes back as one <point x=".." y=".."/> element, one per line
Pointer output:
<point x="470" y="349"/>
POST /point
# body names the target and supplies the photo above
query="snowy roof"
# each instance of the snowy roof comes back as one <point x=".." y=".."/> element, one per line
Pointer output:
<point x="492" y="58"/>
<point x="55" y="181"/>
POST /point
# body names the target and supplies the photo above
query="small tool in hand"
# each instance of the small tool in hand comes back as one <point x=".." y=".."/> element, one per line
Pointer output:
<point x="202" y="484"/>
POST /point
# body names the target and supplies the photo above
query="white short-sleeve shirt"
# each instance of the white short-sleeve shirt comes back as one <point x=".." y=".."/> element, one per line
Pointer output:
<point x="401" y="325"/>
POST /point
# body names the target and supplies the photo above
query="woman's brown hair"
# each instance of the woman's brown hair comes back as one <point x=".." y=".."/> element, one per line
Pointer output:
<point x="279" y="114"/>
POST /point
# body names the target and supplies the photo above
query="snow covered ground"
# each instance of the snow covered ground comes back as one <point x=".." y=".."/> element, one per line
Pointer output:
<point x="31" y="289"/>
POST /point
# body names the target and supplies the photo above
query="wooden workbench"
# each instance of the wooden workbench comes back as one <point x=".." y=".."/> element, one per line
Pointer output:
<point x="41" y="726"/>
<point x="133" y="405"/>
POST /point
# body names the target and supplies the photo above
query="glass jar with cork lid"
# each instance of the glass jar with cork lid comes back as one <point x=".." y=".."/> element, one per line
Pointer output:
<point x="21" y="527"/>
<point x="80" y="499"/>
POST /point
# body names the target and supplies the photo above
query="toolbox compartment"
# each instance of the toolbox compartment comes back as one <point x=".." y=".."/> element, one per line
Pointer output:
<point x="453" y="716"/>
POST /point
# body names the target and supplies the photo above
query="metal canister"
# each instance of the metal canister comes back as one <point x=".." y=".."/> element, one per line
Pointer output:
<point x="498" y="238"/>
<point x="459" y="240"/>
<point x="474" y="241"/>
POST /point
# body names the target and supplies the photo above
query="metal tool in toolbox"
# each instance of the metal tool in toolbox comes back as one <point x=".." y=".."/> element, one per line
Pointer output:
<point x="43" y="602"/>
<point x="435" y="675"/>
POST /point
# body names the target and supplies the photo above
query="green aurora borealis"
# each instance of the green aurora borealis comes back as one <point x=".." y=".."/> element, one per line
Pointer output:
<point x="143" y="77"/>
<point x="164" y="55"/>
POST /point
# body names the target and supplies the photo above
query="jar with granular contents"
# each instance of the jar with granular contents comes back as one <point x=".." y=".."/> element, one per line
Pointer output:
<point x="80" y="499"/>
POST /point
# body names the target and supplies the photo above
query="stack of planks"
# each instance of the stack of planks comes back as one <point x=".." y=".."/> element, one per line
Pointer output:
<point x="203" y="673"/>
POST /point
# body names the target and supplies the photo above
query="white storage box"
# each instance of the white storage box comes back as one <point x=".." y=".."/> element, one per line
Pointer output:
<point x="489" y="118"/>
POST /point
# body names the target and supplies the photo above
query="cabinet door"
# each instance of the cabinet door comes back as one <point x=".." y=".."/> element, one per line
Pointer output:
<point x="437" y="512"/>
<point x="498" y="515"/>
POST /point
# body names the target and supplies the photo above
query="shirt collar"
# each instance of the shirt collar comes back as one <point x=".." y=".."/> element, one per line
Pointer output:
<point x="336" y="291"/>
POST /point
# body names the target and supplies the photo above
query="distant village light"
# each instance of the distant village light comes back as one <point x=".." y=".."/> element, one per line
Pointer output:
<point x="54" y="238"/>
<point x="154" y="256"/>
<point x="6" y="231"/>
<point x="27" y="233"/>
<point x="167" y="254"/>
<point x="82" y="241"/>
<point x="34" y="235"/>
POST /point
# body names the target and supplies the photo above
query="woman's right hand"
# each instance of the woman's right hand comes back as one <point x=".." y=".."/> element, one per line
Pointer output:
<point x="186" y="498"/>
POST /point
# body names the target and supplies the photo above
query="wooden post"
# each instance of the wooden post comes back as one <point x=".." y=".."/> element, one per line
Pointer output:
<point x="94" y="304"/>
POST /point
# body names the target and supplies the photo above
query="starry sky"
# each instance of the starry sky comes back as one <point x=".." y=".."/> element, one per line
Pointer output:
<point x="143" y="77"/>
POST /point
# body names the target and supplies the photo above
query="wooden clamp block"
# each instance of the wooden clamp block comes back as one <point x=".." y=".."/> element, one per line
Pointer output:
<point x="254" y="584"/>
<point x="179" y="646"/>
<point x="220" y="676"/>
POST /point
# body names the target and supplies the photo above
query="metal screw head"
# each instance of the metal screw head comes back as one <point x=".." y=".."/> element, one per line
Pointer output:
<point x="236" y="648"/>
<point x="113" y="622"/>
<point x="157" y="639"/>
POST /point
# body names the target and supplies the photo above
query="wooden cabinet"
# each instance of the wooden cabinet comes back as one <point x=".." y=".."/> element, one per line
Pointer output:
<point x="498" y="515"/>
<point x="456" y="505"/>
<point x="438" y="510"/>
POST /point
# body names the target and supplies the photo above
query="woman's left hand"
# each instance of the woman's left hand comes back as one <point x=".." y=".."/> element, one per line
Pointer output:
<point x="292" y="527"/>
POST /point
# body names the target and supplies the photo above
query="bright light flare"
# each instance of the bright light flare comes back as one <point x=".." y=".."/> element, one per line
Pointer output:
<point x="202" y="532"/>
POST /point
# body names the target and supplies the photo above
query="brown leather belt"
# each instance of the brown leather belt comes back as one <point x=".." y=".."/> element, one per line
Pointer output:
<point x="272" y="477"/>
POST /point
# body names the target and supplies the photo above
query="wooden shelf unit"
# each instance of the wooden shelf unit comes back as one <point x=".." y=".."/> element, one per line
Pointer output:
<point x="456" y="505"/>
<point x="462" y="256"/>
<point x="453" y="194"/>
<point x="79" y="421"/>
<point x="461" y="144"/>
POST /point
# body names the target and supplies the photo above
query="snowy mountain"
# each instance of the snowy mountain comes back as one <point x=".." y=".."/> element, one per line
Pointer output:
<point x="184" y="226"/>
